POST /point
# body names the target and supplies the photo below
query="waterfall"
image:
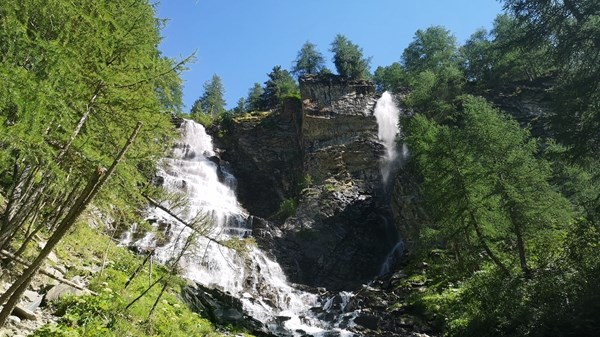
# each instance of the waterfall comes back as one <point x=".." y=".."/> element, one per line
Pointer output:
<point x="210" y="202"/>
<point x="387" y="115"/>
<point x="388" y="118"/>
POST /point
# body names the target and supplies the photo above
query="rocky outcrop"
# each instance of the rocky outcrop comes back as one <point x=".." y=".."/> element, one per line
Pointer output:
<point x="324" y="153"/>
<point x="221" y="308"/>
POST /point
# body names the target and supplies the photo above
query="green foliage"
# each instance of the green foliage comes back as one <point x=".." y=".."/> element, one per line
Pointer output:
<point x="489" y="196"/>
<point x="566" y="32"/>
<point x="308" y="181"/>
<point x="483" y="182"/>
<point x="280" y="84"/>
<point x="308" y="61"/>
<point x="287" y="208"/>
<point x="105" y="65"/>
<point x="254" y="100"/>
<point x="240" y="108"/>
<point x="391" y="78"/>
<point x="348" y="59"/>
<point x="432" y="49"/>
<point x="496" y="58"/>
<point x="434" y="93"/>
<point x="211" y="103"/>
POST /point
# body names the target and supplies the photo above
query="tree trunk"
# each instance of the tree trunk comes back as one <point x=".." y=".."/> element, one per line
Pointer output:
<point x="485" y="246"/>
<point x="520" y="242"/>
<point x="99" y="178"/>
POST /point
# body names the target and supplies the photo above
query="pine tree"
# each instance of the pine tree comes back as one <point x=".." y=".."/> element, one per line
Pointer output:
<point x="74" y="90"/>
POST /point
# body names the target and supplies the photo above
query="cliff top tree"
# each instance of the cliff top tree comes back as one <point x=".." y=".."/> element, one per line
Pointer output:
<point x="348" y="58"/>
<point x="254" y="100"/>
<point x="390" y="78"/>
<point x="211" y="102"/>
<point x="308" y="61"/>
<point x="280" y="84"/>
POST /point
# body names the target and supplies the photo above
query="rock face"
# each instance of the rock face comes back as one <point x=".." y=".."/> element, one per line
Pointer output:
<point x="322" y="151"/>
<point x="265" y="152"/>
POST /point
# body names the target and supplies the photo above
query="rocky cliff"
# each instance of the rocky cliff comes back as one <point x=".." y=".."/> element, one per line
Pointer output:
<point x="323" y="152"/>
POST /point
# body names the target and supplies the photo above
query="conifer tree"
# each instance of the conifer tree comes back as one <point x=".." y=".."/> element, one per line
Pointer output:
<point x="308" y="61"/>
<point x="348" y="58"/>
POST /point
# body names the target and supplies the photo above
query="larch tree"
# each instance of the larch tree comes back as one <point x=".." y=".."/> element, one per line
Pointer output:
<point x="486" y="189"/>
<point x="211" y="102"/>
<point x="77" y="80"/>
<point x="348" y="58"/>
<point x="572" y="28"/>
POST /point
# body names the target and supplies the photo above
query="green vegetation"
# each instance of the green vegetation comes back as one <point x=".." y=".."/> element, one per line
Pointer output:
<point x="83" y="101"/>
<point x="512" y="240"/>
<point x="280" y="84"/>
<point x="108" y="314"/>
<point x="287" y="208"/>
<point x="308" y="61"/>
<point x="254" y="102"/>
<point x="210" y="107"/>
<point x="348" y="58"/>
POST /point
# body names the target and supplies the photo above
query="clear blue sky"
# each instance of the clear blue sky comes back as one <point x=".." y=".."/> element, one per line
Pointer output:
<point x="241" y="40"/>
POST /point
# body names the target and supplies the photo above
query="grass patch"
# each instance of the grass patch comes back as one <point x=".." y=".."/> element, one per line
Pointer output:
<point x="106" y="314"/>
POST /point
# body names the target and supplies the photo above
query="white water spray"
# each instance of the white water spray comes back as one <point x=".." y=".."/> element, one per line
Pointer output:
<point x="256" y="280"/>
<point x="387" y="115"/>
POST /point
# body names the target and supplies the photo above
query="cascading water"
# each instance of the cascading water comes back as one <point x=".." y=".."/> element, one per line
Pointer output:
<point x="388" y="118"/>
<point x="255" y="279"/>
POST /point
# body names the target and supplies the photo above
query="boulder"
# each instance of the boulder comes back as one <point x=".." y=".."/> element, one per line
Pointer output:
<point x="23" y="313"/>
<point x="59" y="291"/>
